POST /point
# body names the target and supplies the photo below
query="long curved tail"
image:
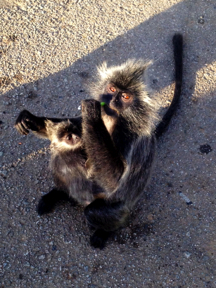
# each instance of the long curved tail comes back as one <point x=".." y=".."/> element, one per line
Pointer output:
<point x="178" y="59"/>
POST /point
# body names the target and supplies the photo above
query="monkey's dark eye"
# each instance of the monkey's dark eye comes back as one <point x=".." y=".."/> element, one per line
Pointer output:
<point x="69" y="137"/>
<point x="112" y="89"/>
<point x="125" y="97"/>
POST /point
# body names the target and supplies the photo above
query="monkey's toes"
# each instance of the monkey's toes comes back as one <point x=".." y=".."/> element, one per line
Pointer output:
<point x="99" y="238"/>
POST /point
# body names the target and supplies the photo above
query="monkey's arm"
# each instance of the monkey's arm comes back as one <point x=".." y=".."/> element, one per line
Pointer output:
<point x="112" y="213"/>
<point x="27" y="121"/>
<point x="106" y="165"/>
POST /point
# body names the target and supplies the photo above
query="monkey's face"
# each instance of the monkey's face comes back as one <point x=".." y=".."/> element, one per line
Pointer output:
<point x="116" y="98"/>
<point x="68" y="136"/>
<point x="121" y="87"/>
<point x="70" y="139"/>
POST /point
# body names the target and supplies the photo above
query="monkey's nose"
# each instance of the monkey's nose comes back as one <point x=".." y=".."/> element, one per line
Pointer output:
<point x="106" y="98"/>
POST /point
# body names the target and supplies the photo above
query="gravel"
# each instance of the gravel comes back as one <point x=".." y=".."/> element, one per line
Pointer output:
<point x="48" y="53"/>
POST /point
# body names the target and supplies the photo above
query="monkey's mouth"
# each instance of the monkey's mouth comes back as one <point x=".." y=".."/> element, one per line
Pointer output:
<point x="110" y="110"/>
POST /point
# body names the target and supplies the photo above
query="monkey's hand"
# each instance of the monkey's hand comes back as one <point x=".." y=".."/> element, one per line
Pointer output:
<point x="91" y="110"/>
<point x="26" y="121"/>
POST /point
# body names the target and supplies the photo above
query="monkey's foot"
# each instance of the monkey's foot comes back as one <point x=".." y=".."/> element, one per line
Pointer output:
<point x="44" y="206"/>
<point x="48" y="202"/>
<point x="99" y="238"/>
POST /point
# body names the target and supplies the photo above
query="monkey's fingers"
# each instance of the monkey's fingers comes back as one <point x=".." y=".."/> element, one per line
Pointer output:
<point x="29" y="124"/>
<point x="26" y="121"/>
<point x="21" y="128"/>
<point x="91" y="109"/>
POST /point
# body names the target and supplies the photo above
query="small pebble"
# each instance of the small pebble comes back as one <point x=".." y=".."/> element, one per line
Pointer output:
<point x="187" y="254"/>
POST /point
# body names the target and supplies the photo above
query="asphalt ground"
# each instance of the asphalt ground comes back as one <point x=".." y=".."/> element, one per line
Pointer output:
<point x="48" y="52"/>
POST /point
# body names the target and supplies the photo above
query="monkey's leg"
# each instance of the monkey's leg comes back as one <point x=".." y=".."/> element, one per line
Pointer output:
<point x="113" y="212"/>
<point x="48" y="202"/>
<point x="106" y="163"/>
<point x="27" y="121"/>
<point x="105" y="217"/>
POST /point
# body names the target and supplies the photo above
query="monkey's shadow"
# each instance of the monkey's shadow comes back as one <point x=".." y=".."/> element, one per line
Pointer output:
<point x="150" y="40"/>
<point x="137" y="229"/>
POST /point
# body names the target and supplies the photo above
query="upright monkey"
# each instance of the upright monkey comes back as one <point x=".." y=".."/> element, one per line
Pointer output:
<point x="110" y="152"/>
